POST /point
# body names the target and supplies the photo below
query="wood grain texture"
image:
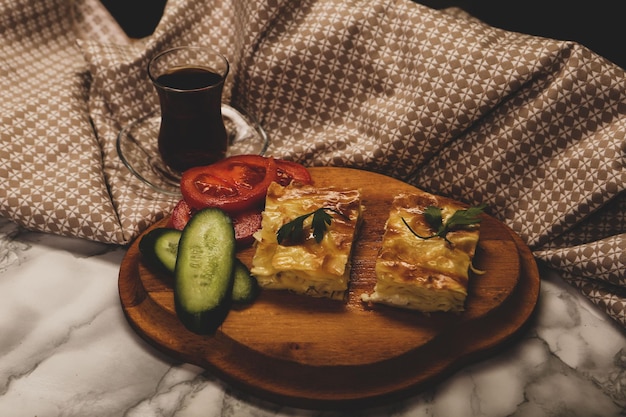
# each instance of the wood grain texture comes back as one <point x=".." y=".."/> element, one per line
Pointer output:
<point x="319" y="353"/>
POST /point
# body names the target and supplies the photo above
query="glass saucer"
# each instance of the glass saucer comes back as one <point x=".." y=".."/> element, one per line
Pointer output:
<point x="138" y="149"/>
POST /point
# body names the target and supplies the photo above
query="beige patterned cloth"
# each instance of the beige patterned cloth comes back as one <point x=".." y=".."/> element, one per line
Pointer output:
<point x="533" y="127"/>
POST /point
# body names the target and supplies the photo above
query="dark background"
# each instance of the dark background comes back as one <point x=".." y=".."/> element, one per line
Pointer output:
<point x="598" y="25"/>
<point x="138" y="18"/>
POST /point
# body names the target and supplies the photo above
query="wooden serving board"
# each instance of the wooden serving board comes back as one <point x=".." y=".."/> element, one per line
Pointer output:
<point x="318" y="353"/>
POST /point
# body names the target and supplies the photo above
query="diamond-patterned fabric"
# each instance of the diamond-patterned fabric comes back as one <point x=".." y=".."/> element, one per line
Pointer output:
<point x="534" y="127"/>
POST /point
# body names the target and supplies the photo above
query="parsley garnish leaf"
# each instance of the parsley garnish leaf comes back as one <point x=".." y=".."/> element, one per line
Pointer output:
<point x="433" y="217"/>
<point x="465" y="217"/>
<point x="293" y="231"/>
<point x="321" y="220"/>
<point x="458" y="219"/>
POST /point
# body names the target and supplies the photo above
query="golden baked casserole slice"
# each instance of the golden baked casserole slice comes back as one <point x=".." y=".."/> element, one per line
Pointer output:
<point x="424" y="273"/>
<point x="306" y="266"/>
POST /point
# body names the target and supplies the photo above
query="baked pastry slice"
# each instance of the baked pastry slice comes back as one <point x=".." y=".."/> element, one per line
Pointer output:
<point x="424" y="273"/>
<point x="306" y="266"/>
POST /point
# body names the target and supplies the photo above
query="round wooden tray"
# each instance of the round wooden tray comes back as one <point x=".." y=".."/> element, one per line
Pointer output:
<point x="318" y="353"/>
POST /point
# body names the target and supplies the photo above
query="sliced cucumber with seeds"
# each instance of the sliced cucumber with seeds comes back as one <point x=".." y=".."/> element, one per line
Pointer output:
<point x="204" y="270"/>
<point x="245" y="286"/>
<point x="159" y="248"/>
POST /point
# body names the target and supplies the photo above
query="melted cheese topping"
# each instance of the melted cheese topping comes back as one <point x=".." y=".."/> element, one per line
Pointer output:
<point x="307" y="267"/>
<point x="423" y="274"/>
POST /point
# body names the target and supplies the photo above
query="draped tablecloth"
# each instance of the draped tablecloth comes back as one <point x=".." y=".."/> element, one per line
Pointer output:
<point x="533" y="127"/>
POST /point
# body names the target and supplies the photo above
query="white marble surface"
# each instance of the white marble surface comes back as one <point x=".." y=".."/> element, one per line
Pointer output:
<point x="66" y="350"/>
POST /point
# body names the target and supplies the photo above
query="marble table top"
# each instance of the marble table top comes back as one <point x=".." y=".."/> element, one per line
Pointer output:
<point x="67" y="350"/>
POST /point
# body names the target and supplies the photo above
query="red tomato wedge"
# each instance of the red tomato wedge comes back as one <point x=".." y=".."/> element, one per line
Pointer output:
<point x="234" y="184"/>
<point x="288" y="171"/>
<point x="238" y="185"/>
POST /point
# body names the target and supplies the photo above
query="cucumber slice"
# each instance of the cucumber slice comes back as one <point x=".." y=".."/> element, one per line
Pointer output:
<point x="204" y="270"/>
<point x="245" y="286"/>
<point x="159" y="248"/>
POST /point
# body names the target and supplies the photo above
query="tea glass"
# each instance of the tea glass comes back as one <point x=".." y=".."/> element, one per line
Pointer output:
<point x="189" y="81"/>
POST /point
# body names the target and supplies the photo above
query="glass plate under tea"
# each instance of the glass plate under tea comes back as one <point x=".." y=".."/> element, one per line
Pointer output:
<point x="137" y="147"/>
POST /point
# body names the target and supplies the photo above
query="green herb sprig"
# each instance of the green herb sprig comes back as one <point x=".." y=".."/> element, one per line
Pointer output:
<point x="458" y="220"/>
<point x="293" y="231"/>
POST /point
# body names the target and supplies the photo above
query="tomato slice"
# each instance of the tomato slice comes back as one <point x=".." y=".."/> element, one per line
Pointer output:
<point x="233" y="184"/>
<point x="288" y="171"/>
